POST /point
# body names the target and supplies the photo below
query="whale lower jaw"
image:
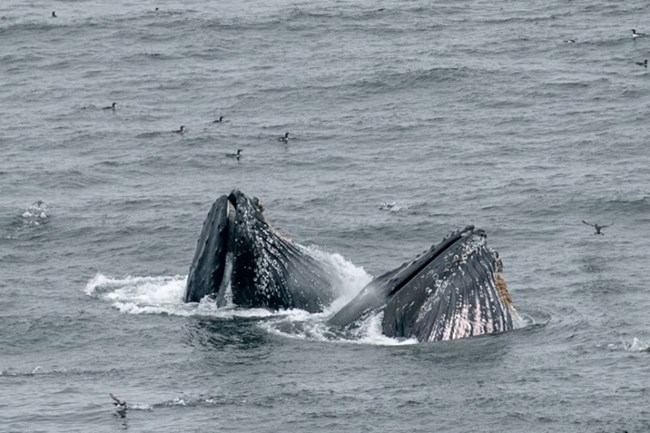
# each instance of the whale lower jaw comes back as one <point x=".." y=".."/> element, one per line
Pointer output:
<point x="455" y="290"/>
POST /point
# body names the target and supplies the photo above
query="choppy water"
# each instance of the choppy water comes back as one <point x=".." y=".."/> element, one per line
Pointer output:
<point x="410" y="119"/>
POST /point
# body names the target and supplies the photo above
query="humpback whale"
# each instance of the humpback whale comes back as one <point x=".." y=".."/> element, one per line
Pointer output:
<point x="241" y="259"/>
<point x="453" y="290"/>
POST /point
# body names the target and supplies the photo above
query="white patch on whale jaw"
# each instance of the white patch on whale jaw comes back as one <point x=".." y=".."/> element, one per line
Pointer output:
<point x="224" y="295"/>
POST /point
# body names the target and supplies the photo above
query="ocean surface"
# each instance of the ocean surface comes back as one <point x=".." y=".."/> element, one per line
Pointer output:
<point x="407" y="120"/>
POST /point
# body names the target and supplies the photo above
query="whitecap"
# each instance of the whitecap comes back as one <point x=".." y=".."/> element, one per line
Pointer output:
<point x="393" y="206"/>
<point x="636" y="345"/>
<point x="35" y="215"/>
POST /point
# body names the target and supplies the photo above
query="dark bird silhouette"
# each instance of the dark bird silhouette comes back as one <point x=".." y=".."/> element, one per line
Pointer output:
<point x="112" y="107"/>
<point x="636" y="35"/>
<point x="597" y="227"/>
<point x="181" y="130"/>
<point x="219" y="120"/>
<point x="120" y="405"/>
<point x="53" y="14"/>
<point x="643" y="63"/>
<point x="234" y="155"/>
<point x="570" y="41"/>
<point x="284" y="139"/>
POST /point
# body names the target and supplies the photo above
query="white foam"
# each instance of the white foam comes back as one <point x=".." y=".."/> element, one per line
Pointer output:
<point x="159" y="295"/>
<point x="636" y="345"/>
<point x="35" y="215"/>
<point x="393" y="206"/>
<point x="349" y="278"/>
<point x="313" y="327"/>
<point x="370" y="332"/>
<point x="140" y="406"/>
<point x="150" y="290"/>
<point x="164" y="295"/>
<point x="519" y="321"/>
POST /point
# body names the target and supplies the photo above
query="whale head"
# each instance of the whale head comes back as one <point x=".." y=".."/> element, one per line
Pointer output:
<point x="453" y="290"/>
<point x="242" y="260"/>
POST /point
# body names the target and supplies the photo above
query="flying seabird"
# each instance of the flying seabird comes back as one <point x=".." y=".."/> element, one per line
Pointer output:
<point x="120" y="405"/>
<point x="597" y="227"/>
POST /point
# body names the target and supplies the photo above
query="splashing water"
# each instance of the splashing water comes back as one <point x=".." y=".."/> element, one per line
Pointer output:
<point x="636" y="345"/>
<point x="164" y="295"/>
<point x="35" y="215"/>
<point x="158" y="295"/>
<point x="393" y="206"/>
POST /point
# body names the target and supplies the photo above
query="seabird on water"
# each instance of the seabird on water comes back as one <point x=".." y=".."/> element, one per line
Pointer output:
<point x="284" y="139"/>
<point x="636" y="35"/>
<point x="181" y="130"/>
<point x="112" y="107"/>
<point x="219" y="120"/>
<point x="643" y="63"/>
<point x="597" y="227"/>
<point x="54" y="14"/>
<point x="120" y="405"/>
<point x="234" y="155"/>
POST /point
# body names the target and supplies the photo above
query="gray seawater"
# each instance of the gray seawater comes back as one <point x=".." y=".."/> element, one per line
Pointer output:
<point x="465" y="112"/>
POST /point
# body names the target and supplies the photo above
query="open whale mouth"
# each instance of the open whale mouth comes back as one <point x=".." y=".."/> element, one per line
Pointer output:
<point x="453" y="290"/>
